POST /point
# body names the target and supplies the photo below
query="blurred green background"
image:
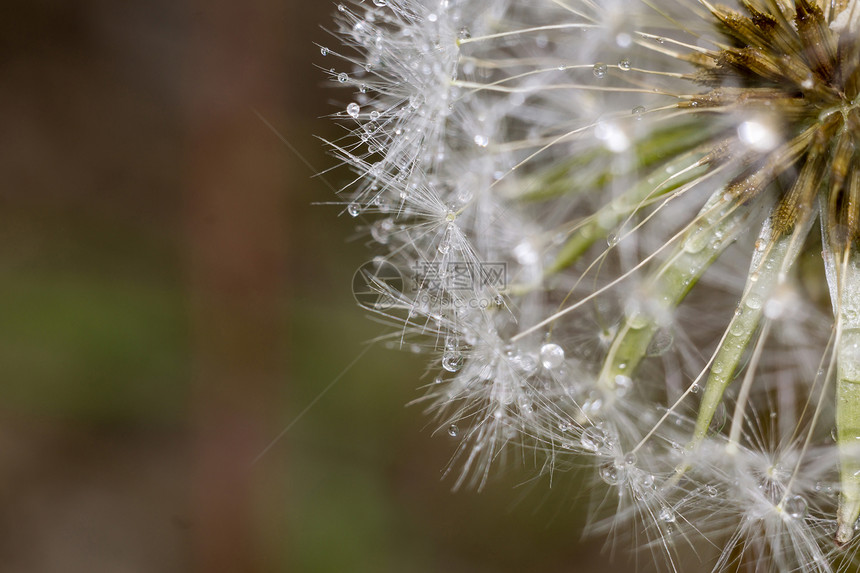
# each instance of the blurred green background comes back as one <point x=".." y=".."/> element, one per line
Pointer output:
<point x="171" y="300"/>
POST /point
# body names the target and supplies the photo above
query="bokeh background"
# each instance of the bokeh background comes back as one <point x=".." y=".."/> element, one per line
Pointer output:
<point x="172" y="298"/>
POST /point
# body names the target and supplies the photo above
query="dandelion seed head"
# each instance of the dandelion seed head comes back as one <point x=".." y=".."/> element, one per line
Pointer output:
<point x="653" y="178"/>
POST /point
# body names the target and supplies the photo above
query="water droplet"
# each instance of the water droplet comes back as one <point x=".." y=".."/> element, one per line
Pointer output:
<point x="591" y="408"/>
<point x="612" y="474"/>
<point x="524" y="362"/>
<point x="481" y="140"/>
<point x="342" y="77"/>
<point x="754" y="302"/>
<point x="795" y="506"/>
<point x="551" y="356"/>
<point x="374" y="115"/>
<point x="444" y="246"/>
<point x="599" y="70"/>
<point x="452" y="361"/>
<point x="624" y="65"/>
<point x="464" y="33"/>
<point x="611" y="239"/>
<point x="353" y="110"/>
<point x="453" y="430"/>
<point x="324" y="51"/>
<point x="623" y="385"/>
<point x="711" y="491"/>
<point x="660" y="343"/>
<point x="694" y="388"/>
<point x="697" y="241"/>
<point x="354" y="209"/>
<point x="636" y="318"/>
<point x="593" y="439"/>
<point x="381" y="231"/>
<point x="736" y="328"/>
<point x="525" y="404"/>
<point x="667" y="515"/>
<point x="639" y="111"/>
<point x="380" y="2"/>
<point x="630" y="459"/>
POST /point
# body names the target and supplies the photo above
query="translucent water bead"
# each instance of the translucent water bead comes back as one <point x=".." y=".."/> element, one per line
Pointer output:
<point x="612" y="474"/>
<point x="551" y="356"/>
<point x="795" y="506"/>
<point x="452" y="361"/>
<point x="593" y="439"/>
<point x="667" y="515"/>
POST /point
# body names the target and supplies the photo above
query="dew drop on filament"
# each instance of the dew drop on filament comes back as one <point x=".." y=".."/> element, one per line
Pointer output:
<point x="667" y="515"/>
<point x="593" y="439"/>
<point x="452" y="361"/>
<point x="551" y="355"/>
<point x="611" y="473"/>
<point x="795" y="506"/>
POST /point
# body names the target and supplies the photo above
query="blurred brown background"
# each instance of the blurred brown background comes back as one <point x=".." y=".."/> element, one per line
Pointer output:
<point x="171" y="300"/>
